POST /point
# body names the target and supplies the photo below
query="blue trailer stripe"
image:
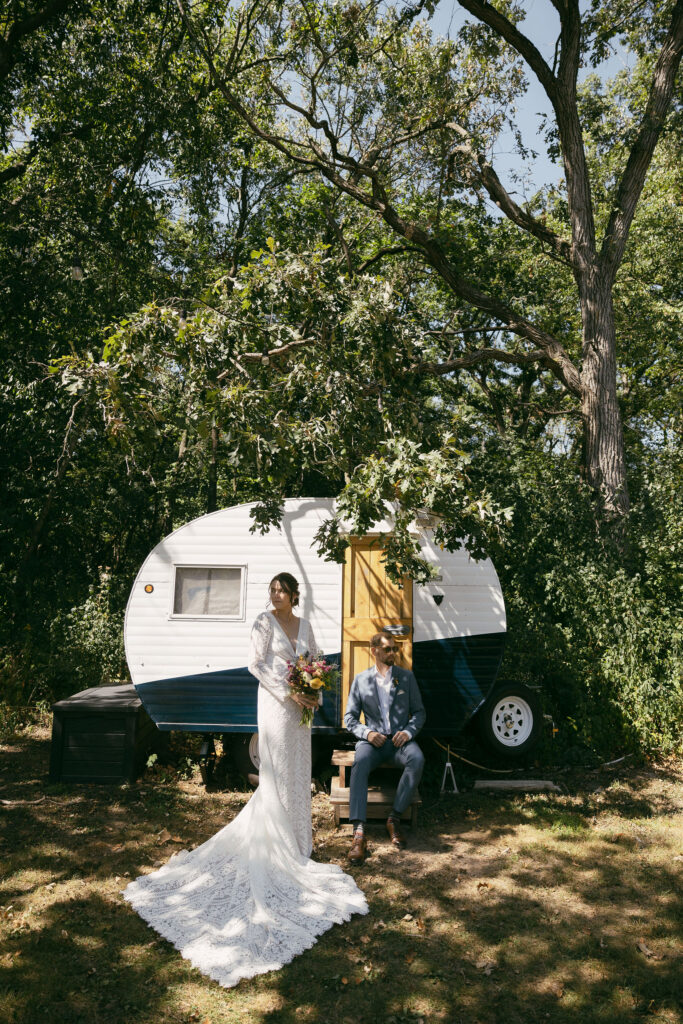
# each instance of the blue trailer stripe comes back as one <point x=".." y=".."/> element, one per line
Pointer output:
<point x="221" y="701"/>
<point x="455" y="676"/>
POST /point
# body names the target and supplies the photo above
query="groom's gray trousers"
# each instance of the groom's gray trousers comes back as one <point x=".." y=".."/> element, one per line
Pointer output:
<point x="409" y="757"/>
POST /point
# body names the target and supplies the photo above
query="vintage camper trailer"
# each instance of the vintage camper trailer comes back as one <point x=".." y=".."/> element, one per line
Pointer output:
<point x="191" y="607"/>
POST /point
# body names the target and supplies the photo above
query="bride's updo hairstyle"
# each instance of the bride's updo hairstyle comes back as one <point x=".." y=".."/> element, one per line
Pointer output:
<point x="289" y="584"/>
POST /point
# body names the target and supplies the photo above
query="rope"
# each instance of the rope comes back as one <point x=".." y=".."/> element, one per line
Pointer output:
<point x="451" y="753"/>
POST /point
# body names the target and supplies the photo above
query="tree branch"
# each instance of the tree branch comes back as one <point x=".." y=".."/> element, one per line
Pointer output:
<point x="60" y="470"/>
<point x="484" y="11"/>
<point x="505" y="202"/>
<point x="465" y="330"/>
<point x="387" y="250"/>
<point x="478" y="356"/>
<point x="34" y="148"/>
<point x="282" y="145"/>
<point x="561" y="91"/>
<point x="268" y="354"/>
<point x="275" y="353"/>
<point x="633" y="178"/>
<point x="8" y="55"/>
<point x="558" y="360"/>
<point x="570" y="44"/>
<point x="434" y="369"/>
<point x="336" y="228"/>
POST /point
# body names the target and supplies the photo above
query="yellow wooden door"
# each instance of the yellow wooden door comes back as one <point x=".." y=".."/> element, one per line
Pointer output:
<point x="371" y="601"/>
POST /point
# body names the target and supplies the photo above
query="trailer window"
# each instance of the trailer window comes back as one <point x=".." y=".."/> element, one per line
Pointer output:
<point x="208" y="590"/>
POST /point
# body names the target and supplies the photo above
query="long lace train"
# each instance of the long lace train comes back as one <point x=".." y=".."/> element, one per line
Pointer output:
<point x="249" y="899"/>
<point x="244" y="903"/>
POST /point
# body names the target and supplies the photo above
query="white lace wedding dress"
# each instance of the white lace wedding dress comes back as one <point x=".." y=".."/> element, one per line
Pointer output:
<point x="249" y="899"/>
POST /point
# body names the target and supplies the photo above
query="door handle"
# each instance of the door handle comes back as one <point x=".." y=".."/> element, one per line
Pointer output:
<point x="399" y="631"/>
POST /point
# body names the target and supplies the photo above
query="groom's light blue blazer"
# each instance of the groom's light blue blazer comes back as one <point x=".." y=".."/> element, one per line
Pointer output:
<point x="406" y="710"/>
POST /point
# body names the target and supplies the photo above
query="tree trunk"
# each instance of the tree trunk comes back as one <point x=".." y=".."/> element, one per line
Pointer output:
<point x="211" y="501"/>
<point x="603" y="428"/>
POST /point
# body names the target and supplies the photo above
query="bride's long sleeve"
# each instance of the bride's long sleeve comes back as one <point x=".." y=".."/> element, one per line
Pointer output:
<point x="313" y="651"/>
<point x="313" y="648"/>
<point x="260" y="665"/>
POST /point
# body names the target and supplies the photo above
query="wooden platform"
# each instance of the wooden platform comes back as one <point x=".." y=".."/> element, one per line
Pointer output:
<point x="525" y="785"/>
<point x="380" y="796"/>
<point x="101" y="735"/>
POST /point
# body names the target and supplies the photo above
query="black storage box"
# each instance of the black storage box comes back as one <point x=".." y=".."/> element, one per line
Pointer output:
<point x="101" y="735"/>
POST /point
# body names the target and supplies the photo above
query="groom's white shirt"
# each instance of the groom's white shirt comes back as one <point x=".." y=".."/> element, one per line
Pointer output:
<point x="384" y="684"/>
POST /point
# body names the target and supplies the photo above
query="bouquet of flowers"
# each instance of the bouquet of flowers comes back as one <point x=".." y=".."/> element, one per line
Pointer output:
<point x="310" y="675"/>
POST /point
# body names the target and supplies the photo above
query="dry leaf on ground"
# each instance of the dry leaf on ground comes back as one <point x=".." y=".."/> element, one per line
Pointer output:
<point x="487" y="966"/>
<point x="645" y="949"/>
<point x="21" y="803"/>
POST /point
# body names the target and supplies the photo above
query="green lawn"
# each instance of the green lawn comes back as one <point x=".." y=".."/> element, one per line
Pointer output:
<point x="504" y="909"/>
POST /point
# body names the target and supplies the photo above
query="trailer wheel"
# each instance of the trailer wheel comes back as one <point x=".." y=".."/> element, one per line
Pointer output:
<point x="244" y="748"/>
<point x="510" y="720"/>
<point x="207" y="758"/>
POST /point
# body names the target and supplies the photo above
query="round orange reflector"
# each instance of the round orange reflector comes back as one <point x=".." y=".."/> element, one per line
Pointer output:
<point x="149" y="588"/>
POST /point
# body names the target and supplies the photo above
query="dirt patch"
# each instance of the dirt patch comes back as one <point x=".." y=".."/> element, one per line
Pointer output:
<point x="504" y="908"/>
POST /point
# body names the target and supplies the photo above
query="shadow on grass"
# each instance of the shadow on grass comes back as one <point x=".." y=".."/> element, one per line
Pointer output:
<point x="76" y="968"/>
<point x="502" y="910"/>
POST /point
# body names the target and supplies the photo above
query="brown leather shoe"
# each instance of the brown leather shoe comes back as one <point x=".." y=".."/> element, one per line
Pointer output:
<point x="359" y="849"/>
<point x="397" y="838"/>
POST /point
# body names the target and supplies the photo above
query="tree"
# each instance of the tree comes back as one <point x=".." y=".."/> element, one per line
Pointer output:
<point x="114" y="176"/>
<point x="246" y="328"/>
<point x="360" y="91"/>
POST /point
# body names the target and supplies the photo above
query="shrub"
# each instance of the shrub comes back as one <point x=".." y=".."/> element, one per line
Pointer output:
<point x="87" y="640"/>
<point x="594" y="614"/>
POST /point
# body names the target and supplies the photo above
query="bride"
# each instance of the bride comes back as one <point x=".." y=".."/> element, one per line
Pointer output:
<point x="249" y="899"/>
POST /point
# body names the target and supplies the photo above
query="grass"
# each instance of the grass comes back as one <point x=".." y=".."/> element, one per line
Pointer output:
<point x="504" y="909"/>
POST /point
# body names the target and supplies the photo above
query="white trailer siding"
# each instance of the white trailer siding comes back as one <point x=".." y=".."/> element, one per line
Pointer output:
<point x="191" y="669"/>
<point x="159" y="645"/>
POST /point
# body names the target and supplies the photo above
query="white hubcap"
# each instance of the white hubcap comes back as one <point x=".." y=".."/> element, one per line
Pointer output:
<point x="512" y="721"/>
<point x="253" y="751"/>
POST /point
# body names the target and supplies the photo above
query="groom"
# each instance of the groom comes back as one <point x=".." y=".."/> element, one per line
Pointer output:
<point x="390" y="700"/>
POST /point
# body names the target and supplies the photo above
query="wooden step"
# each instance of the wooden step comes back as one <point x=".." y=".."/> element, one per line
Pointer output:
<point x="343" y="757"/>
<point x="380" y="802"/>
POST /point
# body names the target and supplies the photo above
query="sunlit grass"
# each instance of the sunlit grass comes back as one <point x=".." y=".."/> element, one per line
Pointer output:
<point x="504" y="910"/>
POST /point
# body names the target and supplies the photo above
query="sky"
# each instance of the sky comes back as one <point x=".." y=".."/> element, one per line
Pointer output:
<point x="542" y="26"/>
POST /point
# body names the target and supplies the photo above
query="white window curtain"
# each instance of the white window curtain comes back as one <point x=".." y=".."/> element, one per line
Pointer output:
<point x="207" y="591"/>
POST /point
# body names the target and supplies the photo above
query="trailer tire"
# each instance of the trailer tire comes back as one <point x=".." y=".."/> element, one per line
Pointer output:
<point x="244" y="750"/>
<point x="510" y="720"/>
